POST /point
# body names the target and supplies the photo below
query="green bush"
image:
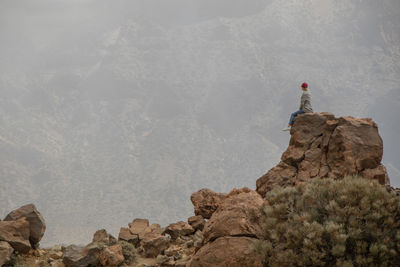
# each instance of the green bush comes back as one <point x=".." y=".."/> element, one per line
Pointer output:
<point x="349" y="222"/>
<point x="129" y="252"/>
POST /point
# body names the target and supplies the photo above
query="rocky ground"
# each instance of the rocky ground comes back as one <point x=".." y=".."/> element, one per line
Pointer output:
<point x="224" y="226"/>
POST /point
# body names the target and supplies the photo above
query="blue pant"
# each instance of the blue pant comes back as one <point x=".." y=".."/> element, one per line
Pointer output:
<point x="294" y="114"/>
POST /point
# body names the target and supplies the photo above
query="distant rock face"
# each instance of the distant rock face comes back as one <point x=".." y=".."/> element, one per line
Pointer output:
<point x="206" y="201"/>
<point x="36" y="221"/>
<point x="324" y="146"/>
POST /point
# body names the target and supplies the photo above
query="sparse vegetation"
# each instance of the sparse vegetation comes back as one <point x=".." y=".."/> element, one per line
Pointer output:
<point x="349" y="222"/>
<point x="129" y="252"/>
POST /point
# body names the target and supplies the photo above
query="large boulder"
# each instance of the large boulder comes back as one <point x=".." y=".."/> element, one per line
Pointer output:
<point x="227" y="251"/>
<point x="324" y="146"/>
<point x="112" y="256"/>
<point x="5" y="252"/>
<point x="35" y="219"/>
<point x="235" y="216"/>
<point x="16" y="233"/>
<point x="206" y="201"/>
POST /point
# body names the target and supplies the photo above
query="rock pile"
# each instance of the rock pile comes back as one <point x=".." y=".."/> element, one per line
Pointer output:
<point x="322" y="145"/>
<point x="224" y="226"/>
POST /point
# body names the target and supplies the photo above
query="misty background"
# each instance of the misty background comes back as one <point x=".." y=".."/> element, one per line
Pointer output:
<point x="115" y="110"/>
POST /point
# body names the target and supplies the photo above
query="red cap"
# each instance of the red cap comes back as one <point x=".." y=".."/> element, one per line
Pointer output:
<point x="304" y="85"/>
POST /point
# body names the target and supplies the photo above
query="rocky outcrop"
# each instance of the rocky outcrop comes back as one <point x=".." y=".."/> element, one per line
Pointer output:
<point x="322" y="145"/>
<point x="231" y="230"/>
<point x="16" y="233"/>
<point x="206" y="201"/>
<point x="37" y="225"/>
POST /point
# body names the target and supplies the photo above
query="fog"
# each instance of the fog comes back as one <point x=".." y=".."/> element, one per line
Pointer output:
<point x="116" y="110"/>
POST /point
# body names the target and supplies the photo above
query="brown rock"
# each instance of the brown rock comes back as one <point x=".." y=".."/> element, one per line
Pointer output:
<point x="281" y="175"/>
<point x="324" y="146"/>
<point x="35" y="219"/>
<point x="156" y="228"/>
<point x="16" y="233"/>
<point x="379" y="174"/>
<point x="126" y="235"/>
<point x="355" y="145"/>
<point x="112" y="256"/>
<point x="5" y="252"/>
<point x="206" y="201"/>
<point x="197" y="222"/>
<point x="227" y="251"/>
<point x="179" y="229"/>
<point x="235" y="216"/>
<point x="103" y="237"/>
<point x="139" y="227"/>
<point x="75" y="256"/>
<point x="153" y="244"/>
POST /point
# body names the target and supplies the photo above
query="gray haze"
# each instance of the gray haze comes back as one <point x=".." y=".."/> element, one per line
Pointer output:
<point x="114" y="110"/>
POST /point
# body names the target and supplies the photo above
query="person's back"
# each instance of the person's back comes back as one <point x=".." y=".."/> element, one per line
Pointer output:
<point x="305" y="105"/>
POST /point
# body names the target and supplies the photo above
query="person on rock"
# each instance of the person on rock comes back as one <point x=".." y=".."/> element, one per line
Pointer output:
<point x="305" y="105"/>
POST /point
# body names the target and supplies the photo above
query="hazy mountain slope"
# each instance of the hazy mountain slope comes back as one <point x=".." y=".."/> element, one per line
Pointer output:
<point x="125" y="113"/>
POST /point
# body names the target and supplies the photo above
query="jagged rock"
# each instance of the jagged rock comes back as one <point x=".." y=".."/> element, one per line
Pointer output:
<point x="324" y="146"/>
<point x="75" y="256"/>
<point x="235" y="216"/>
<point x="36" y="222"/>
<point x="104" y="237"/>
<point x="126" y="235"/>
<point x="5" y="252"/>
<point x="206" y="201"/>
<point x="139" y="227"/>
<point x="227" y="251"/>
<point x="16" y="233"/>
<point x="153" y="244"/>
<point x="112" y="256"/>
<point x="197" y="222"/>
<point x="179" y="229"/>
